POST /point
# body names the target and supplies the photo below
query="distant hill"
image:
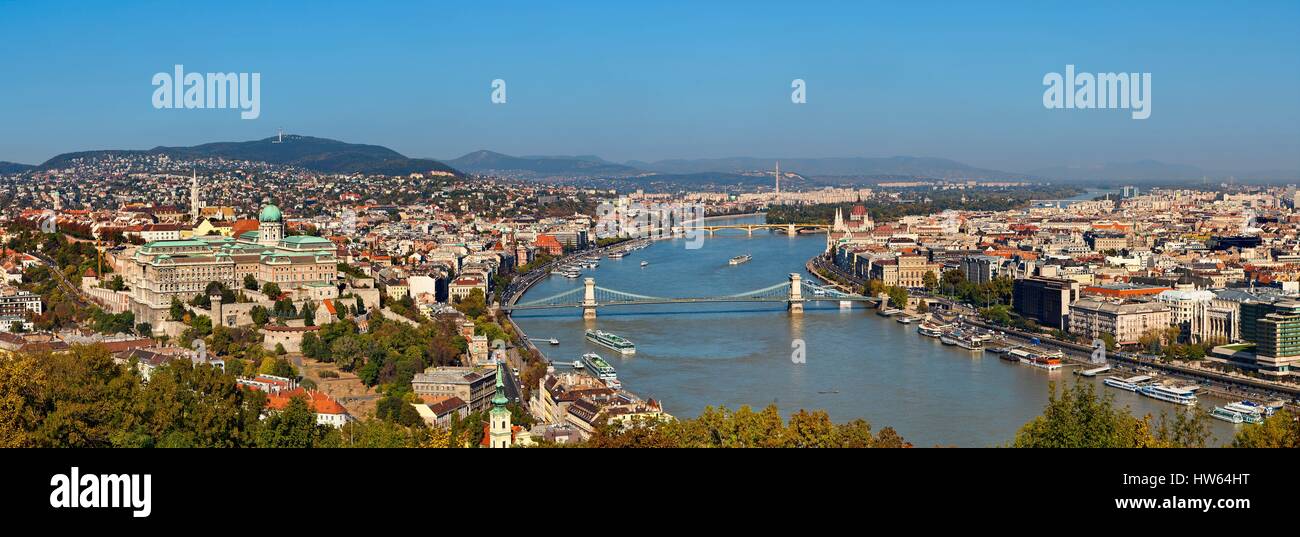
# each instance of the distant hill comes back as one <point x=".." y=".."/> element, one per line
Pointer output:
<point x="13" y="167"/>
<point x="936" y="168"/>
<point x="484" y="161"/>
<point x="319" y="154"/>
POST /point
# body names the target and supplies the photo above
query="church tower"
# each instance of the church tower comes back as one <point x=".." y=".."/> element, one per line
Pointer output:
<point x="499" y="432"/>
<point x="194" y="196"/>
<point x="270" y="226"/>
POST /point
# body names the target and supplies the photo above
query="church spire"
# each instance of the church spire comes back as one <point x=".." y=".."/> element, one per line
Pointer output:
<point x="500" y="400"/>
<point x="194" y="194"/>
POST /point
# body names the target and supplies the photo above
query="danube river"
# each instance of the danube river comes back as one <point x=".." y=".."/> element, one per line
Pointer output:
<point x="857" y="364"/>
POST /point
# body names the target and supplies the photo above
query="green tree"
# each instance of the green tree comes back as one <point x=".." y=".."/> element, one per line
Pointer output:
<point x="930" y="281"/>
<point x="1280" y="430"/>
<point x="897" y="297"/>
<point x="293" y="427"/>
<point x="250" y="282"/>
<point x="177" y="310"/>
<point x="1079" y="418"/>
<point x="271" y="290"/>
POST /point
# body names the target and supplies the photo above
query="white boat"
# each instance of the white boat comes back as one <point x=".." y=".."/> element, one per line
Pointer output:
<point x="1170" y="394"/>
<point x="889" y="312"/>
<point x="599" y="367"/>
<point x="577" y="364"/>
<point x="969" y="343"/>
<point x="740" y="259"/>
<point x="553" y="341"/>
<point x="644" y="263"/>
<point x="1250" y="412"/>
<point x="1042" y="361"/>
<point x="611" y="340"/>
<point x="928" y="329"/>
<point x="1229" y="416"/>
<point x="1116" y="382"/>
<point x="907" y="319"/>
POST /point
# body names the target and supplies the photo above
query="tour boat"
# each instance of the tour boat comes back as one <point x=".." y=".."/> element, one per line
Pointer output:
<point x="599" y="367"/>
<point x="553" y="341"/>
<point x="1181" y="396"/>
<point x="969" y="342"/>
<point x="577" y="364"/>
<point x="612" y="341"/>
<point x="1116" y="382"/>
<point x="740" y="259"/>
<point x="1227" y="415"/>
<point x="929" y="329"/>
<point x="1040" y="361"/>
<point x="1250" y="412"/>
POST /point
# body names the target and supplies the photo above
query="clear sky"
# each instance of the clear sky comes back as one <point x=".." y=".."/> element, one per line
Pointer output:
<point x="653" y="80"/>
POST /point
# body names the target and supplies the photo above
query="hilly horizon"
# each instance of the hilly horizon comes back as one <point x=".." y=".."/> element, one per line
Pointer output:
<point x="317" y="154"/>
<point x="333" y="156"/>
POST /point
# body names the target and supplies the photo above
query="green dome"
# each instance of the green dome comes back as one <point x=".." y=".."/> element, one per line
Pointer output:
<point x="270" y="213"/>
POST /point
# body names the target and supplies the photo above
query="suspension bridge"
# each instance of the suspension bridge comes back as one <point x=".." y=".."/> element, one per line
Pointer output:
<point x="590" y="296"/>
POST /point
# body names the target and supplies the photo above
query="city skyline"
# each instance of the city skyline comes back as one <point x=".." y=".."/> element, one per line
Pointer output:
<point x="681" y="81"/>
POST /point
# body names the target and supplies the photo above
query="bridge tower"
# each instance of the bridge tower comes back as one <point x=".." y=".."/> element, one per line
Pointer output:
<point x="589" y="298"/>
<point x="794" y="302"/>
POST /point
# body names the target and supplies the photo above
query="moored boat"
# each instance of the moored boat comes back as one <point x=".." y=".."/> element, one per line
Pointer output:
<point x="1229" y="416"/>
<point x="1169" y="394"/>
<point x="929" y="329"/>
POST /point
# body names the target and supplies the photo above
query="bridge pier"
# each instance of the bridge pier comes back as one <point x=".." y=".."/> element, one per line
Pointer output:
<point x="589" y="298"/>
<point x="750" y="230"/>
<point x="794" y="302"/>
<point x="789" y="230"/>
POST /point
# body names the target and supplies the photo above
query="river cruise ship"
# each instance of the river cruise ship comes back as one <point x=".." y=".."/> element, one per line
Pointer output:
<point x="613" y="341"/>
<point x="599" y="368"/>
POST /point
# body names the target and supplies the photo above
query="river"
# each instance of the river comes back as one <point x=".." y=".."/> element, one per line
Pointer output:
<point x="857" y="364"/>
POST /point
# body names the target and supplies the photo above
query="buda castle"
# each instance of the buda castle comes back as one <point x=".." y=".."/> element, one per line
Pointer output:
<point x="161" y="270"/>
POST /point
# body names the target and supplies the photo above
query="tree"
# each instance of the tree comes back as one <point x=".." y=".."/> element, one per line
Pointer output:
<point x="177" y="310"/>
<point x="348" y="351"/>
<point x="22" y="382"/>
<point x="1280" y="430"/>
<point x="1078" y="418"/>
<point x="474" y="305"/>
<point x="271" y="290"/>
<point x="897" y="297"/>
<point x="309" y="313"/>
<point x="250" y="282"/>
<point x="293" y="427"/>
<point x="278" y="366"/>
<point x="259" y="315"/>
<point x="930" y="281"/>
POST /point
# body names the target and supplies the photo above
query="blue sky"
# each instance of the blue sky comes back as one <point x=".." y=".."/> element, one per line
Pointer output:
<point x="960" y="80"/>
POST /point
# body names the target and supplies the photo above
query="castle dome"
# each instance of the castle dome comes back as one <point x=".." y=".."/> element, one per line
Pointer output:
<point x="270" y="213"/>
